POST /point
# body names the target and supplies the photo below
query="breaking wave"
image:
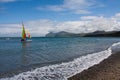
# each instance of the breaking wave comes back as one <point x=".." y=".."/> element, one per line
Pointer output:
<point x="64" y="70"/>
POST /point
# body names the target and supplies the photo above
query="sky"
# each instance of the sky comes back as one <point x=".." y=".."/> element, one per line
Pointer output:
<point x="43" y="16"/>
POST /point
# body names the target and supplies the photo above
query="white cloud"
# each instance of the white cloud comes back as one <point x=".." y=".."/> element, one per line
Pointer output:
<point x="75" y="6"/>
<point x="42" y="27"/>
<point x="70" y="26"/>
<point x="10" y="30"/>
<point x="7" y="0"/>
<point x="82" y="12"/>
<point x="102" y="23"/>
<point x="117" y="15"/>
<point x="88" y="17"/>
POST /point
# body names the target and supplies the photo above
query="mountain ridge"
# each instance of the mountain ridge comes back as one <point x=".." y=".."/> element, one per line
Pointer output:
<point x="92" y="34"/>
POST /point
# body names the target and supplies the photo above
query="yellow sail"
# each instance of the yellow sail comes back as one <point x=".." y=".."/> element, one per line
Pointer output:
<point x="23" y="32"/>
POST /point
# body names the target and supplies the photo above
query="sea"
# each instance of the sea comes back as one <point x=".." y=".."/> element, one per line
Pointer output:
<point x="52" y="58"/>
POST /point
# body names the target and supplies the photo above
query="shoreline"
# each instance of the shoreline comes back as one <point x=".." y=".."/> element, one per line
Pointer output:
<point x="108" y="69"/>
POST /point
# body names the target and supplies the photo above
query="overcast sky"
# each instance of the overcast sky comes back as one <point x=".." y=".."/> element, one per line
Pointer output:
<point x="43" y="16"/>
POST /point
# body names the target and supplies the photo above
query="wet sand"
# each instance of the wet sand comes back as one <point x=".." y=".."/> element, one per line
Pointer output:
<point x="108" y="69"/>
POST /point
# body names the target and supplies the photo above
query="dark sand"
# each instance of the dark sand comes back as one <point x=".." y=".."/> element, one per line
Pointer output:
<point x="108" y="69"/>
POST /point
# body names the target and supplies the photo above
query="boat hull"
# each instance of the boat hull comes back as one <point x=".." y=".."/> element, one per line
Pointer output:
<point x="27" y="41"/>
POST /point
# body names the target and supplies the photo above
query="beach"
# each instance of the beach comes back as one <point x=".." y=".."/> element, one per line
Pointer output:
<point x="108" y="69"/>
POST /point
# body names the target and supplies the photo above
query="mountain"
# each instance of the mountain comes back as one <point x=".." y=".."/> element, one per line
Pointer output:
<point x="103" y="34"/>
<point x="92" y="34"/>
<point x="60" y="34"/>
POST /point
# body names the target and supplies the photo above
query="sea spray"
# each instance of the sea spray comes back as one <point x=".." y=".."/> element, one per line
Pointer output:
<point x="64" y="70"/>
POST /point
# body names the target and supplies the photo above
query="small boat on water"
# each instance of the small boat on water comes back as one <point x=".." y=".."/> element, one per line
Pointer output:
<point x="26" y="37"/>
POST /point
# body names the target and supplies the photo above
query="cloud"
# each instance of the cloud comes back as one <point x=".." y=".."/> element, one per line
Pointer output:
<point x="117" y="16"/>
<point x="42" y="27"/>
<point x="102" y="23"/>
<point x="82" y="12"/>
<point x="10" y="30"/>
<point x="75" y="6"/>
<point x="88" y="17"/>
<point x="4" y="1"/>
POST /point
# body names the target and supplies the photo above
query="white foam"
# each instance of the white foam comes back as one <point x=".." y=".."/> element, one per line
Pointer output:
<point x="64" y="70"/>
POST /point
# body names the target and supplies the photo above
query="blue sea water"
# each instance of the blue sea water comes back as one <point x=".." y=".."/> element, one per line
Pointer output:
<point x="18" y="57"/>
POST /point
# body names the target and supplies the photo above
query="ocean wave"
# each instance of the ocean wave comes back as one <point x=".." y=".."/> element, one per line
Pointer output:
<point x="64" y="70"/>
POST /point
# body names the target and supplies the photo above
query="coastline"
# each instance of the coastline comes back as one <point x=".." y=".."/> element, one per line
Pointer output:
<point x="108" y="69"/>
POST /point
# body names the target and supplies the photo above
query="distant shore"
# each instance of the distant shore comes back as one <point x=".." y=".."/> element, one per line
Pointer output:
<point x="108" y="69"/>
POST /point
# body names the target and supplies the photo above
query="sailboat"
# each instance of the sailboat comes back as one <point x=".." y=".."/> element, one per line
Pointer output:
<point x="26" y="37"/>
